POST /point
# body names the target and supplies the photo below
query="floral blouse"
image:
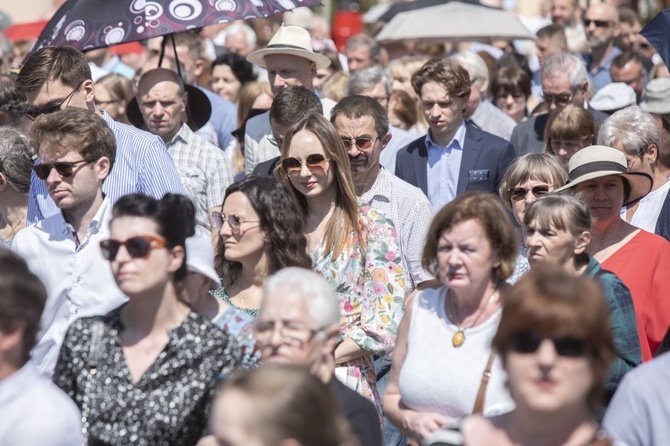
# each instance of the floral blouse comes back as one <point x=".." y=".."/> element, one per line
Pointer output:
<point x="239" y="325"/>
<point x="370" y="287"/>
<point x="170" y="403"/>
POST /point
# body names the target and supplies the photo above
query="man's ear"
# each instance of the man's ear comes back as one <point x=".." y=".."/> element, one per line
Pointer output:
<point x="386" y="139"/>
<point x="88" y="87"/>
<point x="484" y="87"/>
<point x="198" y="67"/>
<point x="312" y="69"/>
<point x="104" y="166"/>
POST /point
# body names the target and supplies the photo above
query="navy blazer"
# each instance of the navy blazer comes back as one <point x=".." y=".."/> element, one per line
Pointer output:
<point x="484" y="162"/>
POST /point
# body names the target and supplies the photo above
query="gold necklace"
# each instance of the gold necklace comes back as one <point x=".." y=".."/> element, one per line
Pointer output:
<point x="459" y="336"/>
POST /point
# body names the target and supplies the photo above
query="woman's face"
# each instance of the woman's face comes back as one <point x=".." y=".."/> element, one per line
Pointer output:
<point x="465" y="258"/>
<point x="321" y="75"/>
<point x="233" y="416"/>
<point x="105" y="100"/>
<point x="225" y="83"/>
<point x="564" y="148"/>
<point x="137" y="276"/>
<point x="247" y="242"/>
<point x="523" y="194"/>
<point x="403" y="83"/>
<point x="514" y="104"/>
<point x="546" y="381"/>
<point x="604" y="196"/>
<point x="549" y="245"/>
<point x="311" y="183"/>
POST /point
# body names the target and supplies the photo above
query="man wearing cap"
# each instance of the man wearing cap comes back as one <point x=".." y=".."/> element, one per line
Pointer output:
<point x="289" y="60"/>
<point x="658" y="104"/>
<point x="202" y="166"/>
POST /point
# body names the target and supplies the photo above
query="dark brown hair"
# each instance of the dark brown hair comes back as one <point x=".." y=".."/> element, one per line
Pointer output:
<point x="54" y="63"/>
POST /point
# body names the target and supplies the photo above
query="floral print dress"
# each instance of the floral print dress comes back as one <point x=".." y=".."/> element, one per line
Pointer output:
<point x="370" y="288"/>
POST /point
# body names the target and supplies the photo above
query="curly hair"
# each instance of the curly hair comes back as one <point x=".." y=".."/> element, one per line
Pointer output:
<point x="447" y="72"/>
<point x="283" y="227"/>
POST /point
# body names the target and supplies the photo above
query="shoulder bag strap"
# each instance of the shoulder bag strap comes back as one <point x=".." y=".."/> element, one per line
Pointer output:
<point x="481" y="394"/>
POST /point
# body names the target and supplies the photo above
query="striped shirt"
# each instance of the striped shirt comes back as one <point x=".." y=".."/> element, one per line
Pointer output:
<point x="204" y="172"/>
<point x="142" y="165"/>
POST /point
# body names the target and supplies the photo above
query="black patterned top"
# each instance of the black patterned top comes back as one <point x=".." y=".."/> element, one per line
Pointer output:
<point x="169" y="405"/>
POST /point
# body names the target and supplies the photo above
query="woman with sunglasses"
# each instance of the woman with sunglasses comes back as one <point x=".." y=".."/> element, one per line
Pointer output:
<point x="259" y="234"/>
<point x="555" y="344"/>
<point x="146" y="372"/>
<point x="558" y="231"/>
<point x="528" y="178"/>
<point x="356" y="249"/>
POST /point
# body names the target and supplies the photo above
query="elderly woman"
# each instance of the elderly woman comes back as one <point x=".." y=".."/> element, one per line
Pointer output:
<point x="636" y="133"/>
<point x="558" y="231"/>
<point x="529" y="177"/>
<point x="568" y="130"/>
<point x="510" y="88"/>
<point x="599" y="176"/>
<point x="555" y="344"/>
<point x="444" y="338"/>
<point x="16" y="162"/>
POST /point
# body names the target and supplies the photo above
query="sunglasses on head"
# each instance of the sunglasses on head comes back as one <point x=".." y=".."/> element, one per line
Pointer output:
<point x="138" y="247"/>
<point x="362" y="142"/>
<point x="568" y="347"/>
<point x="64" y="169"/>
<point x="598" y="23"/>
<point x="32" y="113"/>
<point x="314" y="162"/>
<point x="519" y="193"/>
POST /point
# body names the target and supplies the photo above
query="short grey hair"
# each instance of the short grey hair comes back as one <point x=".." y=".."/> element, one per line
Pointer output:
<point x="631" y="127"/>
<point x="248" y="31"/>
<point x="474" y="63"/>
<point x="319" y="295"/>
<point x="561" y="63"/>
<point x="366" y="79"/>
<point x="16" y="159"/>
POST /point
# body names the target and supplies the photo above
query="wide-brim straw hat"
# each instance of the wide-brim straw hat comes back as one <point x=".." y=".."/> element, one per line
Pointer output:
<point x="293" y="41"/>
<point x="600" y="161"/>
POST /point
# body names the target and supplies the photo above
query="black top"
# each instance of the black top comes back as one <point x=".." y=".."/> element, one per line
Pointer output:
<point x="170" y="403"/>
<point x="267" y="168"/>
<point x="360" y="413"/>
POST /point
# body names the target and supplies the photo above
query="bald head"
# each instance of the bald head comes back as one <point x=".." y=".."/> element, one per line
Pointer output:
<point x="162" y="101"/>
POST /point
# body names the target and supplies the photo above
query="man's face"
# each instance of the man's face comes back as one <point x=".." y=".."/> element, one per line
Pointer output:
<point x="163" y="107"/>
<point x="600" y="26"/>
<point x="629" y="34"/>
<point x="278" y="132"/>
<point x="546" y="48"/>
<point x="358" y="58"/>
<point x="632" y="75"/>
<point x="378" y="93"/>
<point x="362" y="143"/>
<point x="562" y="12"/>
<point x="52" y="93"/>
<point x="288" y="71"/>
<point x="557" y="93"/>
<point x="442" y="111"/>
<point x="237" y="44"/>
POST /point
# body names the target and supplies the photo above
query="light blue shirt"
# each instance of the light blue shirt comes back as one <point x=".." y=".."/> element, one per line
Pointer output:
<point x="443" y="167"/>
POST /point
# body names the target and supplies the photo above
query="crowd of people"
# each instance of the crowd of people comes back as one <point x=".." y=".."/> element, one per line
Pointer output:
<point x="248" y="241"/>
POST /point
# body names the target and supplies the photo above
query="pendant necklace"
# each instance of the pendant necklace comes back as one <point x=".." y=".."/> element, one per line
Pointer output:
<point x="459" y="337"/>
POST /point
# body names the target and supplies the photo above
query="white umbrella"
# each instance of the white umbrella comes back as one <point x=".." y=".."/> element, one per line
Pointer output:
<point x="454" y="21"/>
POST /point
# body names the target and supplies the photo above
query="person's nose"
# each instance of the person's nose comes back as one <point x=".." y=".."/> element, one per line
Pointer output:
<point x="225" y="230"/>
<point x="532" y="239"/>
<point x="435" y="111"/>
<point x="353" y="150"/>
<point x="53" y="177"/>
<point x="158" y="110"/>
<point x="454" y="258"/>
<point x="546" y="353"/>
<point x="278" y="82"/>
<point x="304" y="171"/>
<point x="122" y="255"/>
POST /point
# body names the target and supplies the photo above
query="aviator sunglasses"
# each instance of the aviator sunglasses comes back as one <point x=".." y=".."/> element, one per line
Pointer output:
<point x="519" y="193"/>
<point x="138" y="247"/>
<point x="568" y="347"/>
<point x="314" y="162"/>
<point x="64" y="169"/>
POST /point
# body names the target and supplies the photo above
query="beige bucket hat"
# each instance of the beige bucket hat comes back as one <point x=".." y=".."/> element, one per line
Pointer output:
<point x="291" y="40"/>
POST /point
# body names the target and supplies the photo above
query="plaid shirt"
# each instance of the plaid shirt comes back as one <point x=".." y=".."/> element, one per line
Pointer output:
<point x="622" y="322"/>
<point x="204" y="172"/>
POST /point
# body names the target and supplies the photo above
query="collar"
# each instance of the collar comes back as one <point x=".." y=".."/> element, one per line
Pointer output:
<point x="592" y="267"/>
<point x="376" y="190"/>
<point x="185" y="135"/>
<point x="459" y="137"/>
<point x="99" y="221"/>
<point x="108" y="119"/>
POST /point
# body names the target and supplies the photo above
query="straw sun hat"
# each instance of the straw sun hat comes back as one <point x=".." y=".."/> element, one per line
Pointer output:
<point x="293" y="41"/>
<point x="600" y="161"/>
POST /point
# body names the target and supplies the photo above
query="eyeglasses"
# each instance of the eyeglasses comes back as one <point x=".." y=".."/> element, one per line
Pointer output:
<point x="314" y="162"/>
<point x="559" y="99"/>
<point x="32" y="113"/>
<point x="362" y="142"/>
<point x="631" y="161"/>
<point x="290" y="334"/>
<point x="138" y="247"/>
<point x="234" y="221"/>
<point x="598" y="23"/>
<point x="519" y="193"/>
<point x="526" y="343"/>
<point x="277" y="142"/>
<point x="64" y="169"/>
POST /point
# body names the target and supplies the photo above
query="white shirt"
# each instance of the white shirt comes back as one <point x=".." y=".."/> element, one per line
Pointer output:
<point x="78" y="280"/>
<point x="34" y="412"/>
<point x="648" y="209"/>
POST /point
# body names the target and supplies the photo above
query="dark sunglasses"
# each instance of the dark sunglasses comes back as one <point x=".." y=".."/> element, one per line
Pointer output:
<point x="519" y="193"/>
<point x="138" y="247"/>
<point x="598" y="23"/>
<point x="234" y="221"/>
<point x="362" y="142"/>
<point x="314" y="162"/>
<point x="64" y="169"/>
<point x="527" y="343"/>
<point x="32" y="113"/>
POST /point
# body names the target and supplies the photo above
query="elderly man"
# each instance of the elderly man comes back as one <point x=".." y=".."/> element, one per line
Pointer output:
<point x="479" y="110"/>
<point x="601" y="23"/>
<point x="564" y="81"/>
<point x="454" y="156"/>
<point x="375" y="83"/>
<point x="240" y="39"/>
<point x="363" y="52"/>
<point x="299" y="323"/>
<point x="627" y="68"/>
<point x="550" y="40"/>
<point x="202" y="166"/>
<point x="290" y="61"/>
<point x="55" y="78"/>
<point x="32" y="409"/>
<point x="568" y="14"/>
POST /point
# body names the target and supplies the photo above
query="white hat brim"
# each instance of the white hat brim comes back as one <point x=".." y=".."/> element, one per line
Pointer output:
<point x="640" y="183"/>
<point x="258" y="56"/>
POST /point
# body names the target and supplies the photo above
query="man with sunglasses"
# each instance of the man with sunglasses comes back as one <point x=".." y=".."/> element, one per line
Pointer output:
<point x="564" y="81"/>
<point x="601" y="23"/>
<point x="77" y="151"/>
<point x="56" y="78"/>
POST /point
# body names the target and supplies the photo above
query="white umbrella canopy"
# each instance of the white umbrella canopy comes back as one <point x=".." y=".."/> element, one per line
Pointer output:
<point x="454" y="21"/>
